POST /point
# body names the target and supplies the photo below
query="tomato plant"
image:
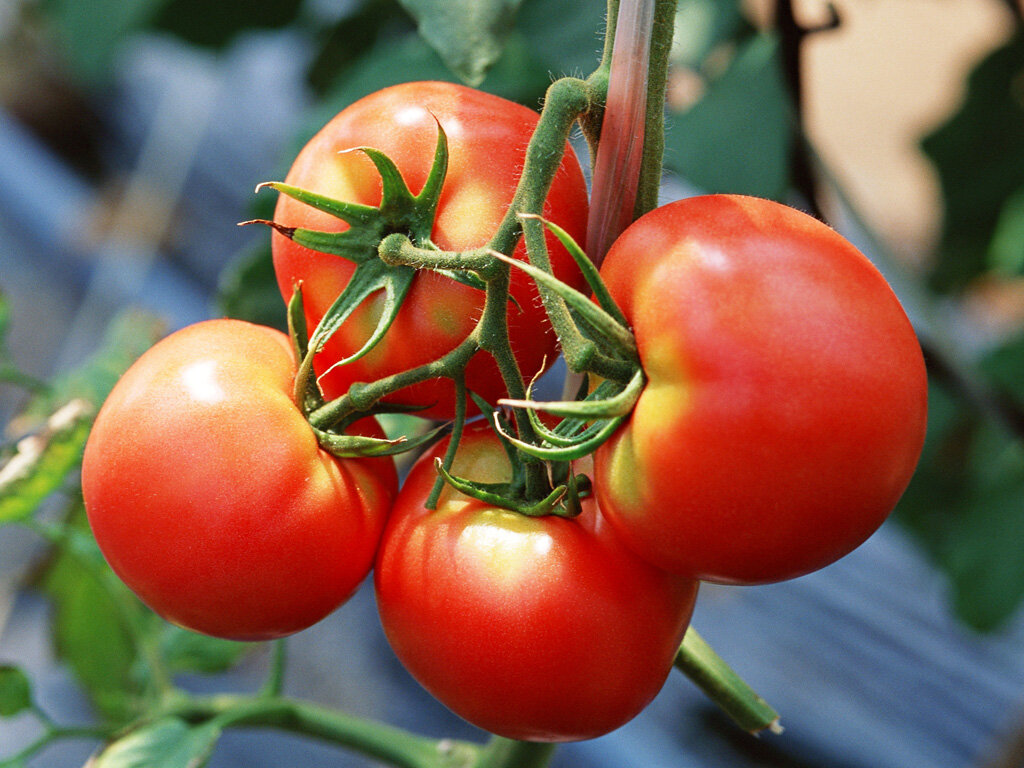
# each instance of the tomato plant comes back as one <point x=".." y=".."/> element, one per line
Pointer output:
<point x="785" y="406"/>
<point x="210" y="497"/>
<point x="535" y="628"/>
<point x="487" y="139"/>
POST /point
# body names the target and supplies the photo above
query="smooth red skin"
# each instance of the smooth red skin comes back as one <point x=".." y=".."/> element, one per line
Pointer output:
<point x="210" y="497"/>
<point x="487" y="139"/>
<point x="541" y="629"/>
<point x="786" y="402"/>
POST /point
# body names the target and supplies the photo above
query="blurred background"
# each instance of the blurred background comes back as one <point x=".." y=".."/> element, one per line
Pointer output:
<point x="133" y="133"/>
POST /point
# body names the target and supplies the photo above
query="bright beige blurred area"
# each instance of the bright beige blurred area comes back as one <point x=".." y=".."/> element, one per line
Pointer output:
<point x="890" y="73"/>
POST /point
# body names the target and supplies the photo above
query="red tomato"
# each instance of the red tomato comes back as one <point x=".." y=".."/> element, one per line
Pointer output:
<point x="541" y="629"/>
<point x="210" y="497"/>
<point x="487" y="139"/>
<point x="785" y="406"/>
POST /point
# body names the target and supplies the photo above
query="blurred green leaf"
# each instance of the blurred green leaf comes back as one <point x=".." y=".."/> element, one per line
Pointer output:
<point x="1004" y="368"/>
<point x="247" y="289"/>
<point x="392" y="61"/>
<point x="965" y="506"/>
<point x="737" y="137"/>
<point x="701" y="25"/>
<point x="185" y="651"/>
<point x="1006" y="250"/>
<point x="563" y="36"/>
<point x="15" y="691"/>
<point x="91" y="31"/>
<point x="216" y="24"/>
<point x="979" y="156"/>
<point x="94" y="615"/>
<point x="467" y="34"/>
<point x="166" y="743"/>
<point x="42" y="461"/>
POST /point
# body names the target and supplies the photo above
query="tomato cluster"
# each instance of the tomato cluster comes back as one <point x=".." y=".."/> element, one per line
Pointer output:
<point x="781" y="418"/>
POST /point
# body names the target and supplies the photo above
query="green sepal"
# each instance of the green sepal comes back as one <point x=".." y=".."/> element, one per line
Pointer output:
<point x="362" y="446"/>
<point x="610" y="331"/>
<point x="357" y="245"/>
<point x="353" y="214"/>
<point x="502" y="495"/>
<point x="590" y="271"/>
<point x="368" y="278"/>
<point x="590" y="440"/>
<point x="594" y="406"/>
<point x="307" y="392"/>
<point x="399" y="212"/>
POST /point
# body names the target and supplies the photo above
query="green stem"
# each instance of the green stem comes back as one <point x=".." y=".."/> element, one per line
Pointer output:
<point x="52" y="735"/>
<point x="698" y="661"/>
<point x="654" y="126"/>
<point x="275" y="679"/>
<point x="397" y="249"/>
<point x="363" y="396"/>
<point x="389" y="744"/>
<point x="506" y="753"/>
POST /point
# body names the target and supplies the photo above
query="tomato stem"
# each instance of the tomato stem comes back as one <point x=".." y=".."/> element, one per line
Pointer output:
<point x="698" y="661"/>
<point x="392" y="745"/>
<point x="507" y="753"/>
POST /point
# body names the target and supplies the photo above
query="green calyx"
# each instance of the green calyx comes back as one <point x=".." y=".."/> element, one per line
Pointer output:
<point x="561" y="500"/>
<point x="400" y="212"/>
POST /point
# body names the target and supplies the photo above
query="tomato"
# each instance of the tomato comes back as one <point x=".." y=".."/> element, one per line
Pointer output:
<point x="210" y="497"/>
<point x="487" y="139"/>
<point x="785" y="406"/>
<point x="534" y="628"/>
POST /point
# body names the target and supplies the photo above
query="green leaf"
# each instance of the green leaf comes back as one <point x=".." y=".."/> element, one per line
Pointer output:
<point x="185" y="651"/>
<point x="737" y="137"/>
<point x="468" y="34"/>
<point x="247" y="289"/>
<point x="217" y="24"/>
<point x="392" y="60"/>
<point x="42" y="461"/>
<point x="965" y="506"/>
<point x="979" y="156"/>
<point x="701" y="25"/>
<point x="166" y="743"/>
<point x="15" y="691"/>
<point x="562" y="37"/>
<point x="1006" y="249"/>
<point x="92" y="622"/>
<point x="1004" y="368"/>
<point x="92" y="31"/>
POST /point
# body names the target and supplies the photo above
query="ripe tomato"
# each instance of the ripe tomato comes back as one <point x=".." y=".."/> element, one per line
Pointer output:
<point x="487" y="139"/>
<point x="542" y="629"/>
<point x="210" y="497"/>
<point x="785" y="405"/>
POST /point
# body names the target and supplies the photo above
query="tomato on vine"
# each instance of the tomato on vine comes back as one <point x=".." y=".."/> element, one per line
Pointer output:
<point x="535" y="628"/>
<point x="785" y="406"/>
<point x="486" y="139"/>
<point x="210" y="497"/>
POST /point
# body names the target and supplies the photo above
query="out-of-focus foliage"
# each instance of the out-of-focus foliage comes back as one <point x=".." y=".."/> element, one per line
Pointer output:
<point x="979" y="156"/>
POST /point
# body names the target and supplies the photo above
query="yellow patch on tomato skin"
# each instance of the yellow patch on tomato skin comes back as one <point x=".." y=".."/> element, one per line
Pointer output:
<point x="484" y="466"/>
<point x="506" y="544"/>
<point x="623" y="475"/>
<point x="663" y="404"/>
<point x="469" y="215"/>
